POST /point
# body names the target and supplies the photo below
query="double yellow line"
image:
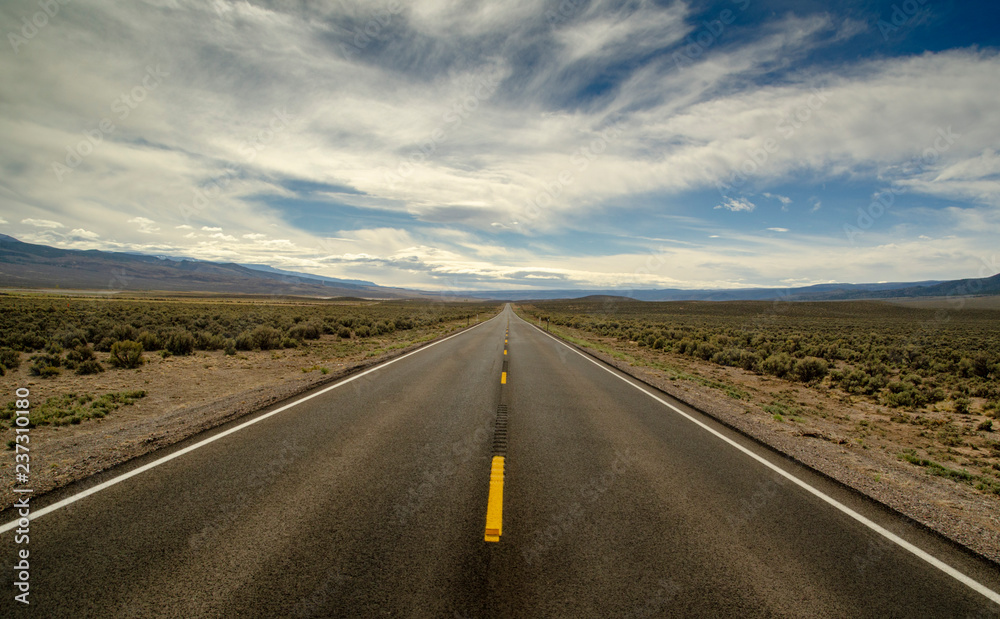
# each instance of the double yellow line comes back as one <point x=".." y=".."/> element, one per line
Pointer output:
<point x="494" y="507"/>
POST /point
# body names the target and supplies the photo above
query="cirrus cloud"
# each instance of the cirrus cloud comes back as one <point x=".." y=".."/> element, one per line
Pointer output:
<point x="528" y="142"/>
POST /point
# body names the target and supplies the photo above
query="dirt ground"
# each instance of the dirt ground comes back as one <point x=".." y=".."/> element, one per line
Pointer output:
<point x="854" y="441"/>
<point x="185" y="395"/>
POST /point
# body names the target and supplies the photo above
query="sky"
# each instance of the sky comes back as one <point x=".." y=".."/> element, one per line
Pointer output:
<point x="477" y="144"/>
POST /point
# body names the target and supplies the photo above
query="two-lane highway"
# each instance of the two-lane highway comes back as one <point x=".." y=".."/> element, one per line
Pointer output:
<point x="371" y="498"/>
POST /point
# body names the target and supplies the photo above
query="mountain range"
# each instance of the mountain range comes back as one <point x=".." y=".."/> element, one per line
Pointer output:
<point x="819" y="292"/>
<point x="27" y="265"/>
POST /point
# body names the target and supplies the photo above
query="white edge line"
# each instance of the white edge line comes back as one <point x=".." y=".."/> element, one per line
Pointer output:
<point x="142" y="469"/>
<point x="941" y="565"/>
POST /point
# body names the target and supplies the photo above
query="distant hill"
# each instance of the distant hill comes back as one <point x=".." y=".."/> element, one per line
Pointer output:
<point x="820" y="292"/>
<point x="26" y="265"/>
<point x="983" y="286"/>
<point x="607" y="298"/>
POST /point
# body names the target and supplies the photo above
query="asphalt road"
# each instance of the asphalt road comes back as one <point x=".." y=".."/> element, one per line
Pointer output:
<point x="370" y="500"/>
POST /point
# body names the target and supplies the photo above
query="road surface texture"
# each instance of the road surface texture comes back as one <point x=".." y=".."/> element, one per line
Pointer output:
<point x="369" y="499"/>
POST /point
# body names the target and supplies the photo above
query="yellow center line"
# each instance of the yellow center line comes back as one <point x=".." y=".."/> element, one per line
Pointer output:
<point x="494" y="509"/>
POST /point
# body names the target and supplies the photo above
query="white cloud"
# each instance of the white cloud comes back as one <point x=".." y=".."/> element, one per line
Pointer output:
<point x="605" y="36"/>
<point x="42" y="223"/>
<point x="975" y="177"/>
<point x="785" y="200"/>
<point x="778" y="229"/>
<point x="146" y="225"/>
<point x="211" y="229"/>
<point x="737" y="205"/>
<point x="84" y="234"/>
